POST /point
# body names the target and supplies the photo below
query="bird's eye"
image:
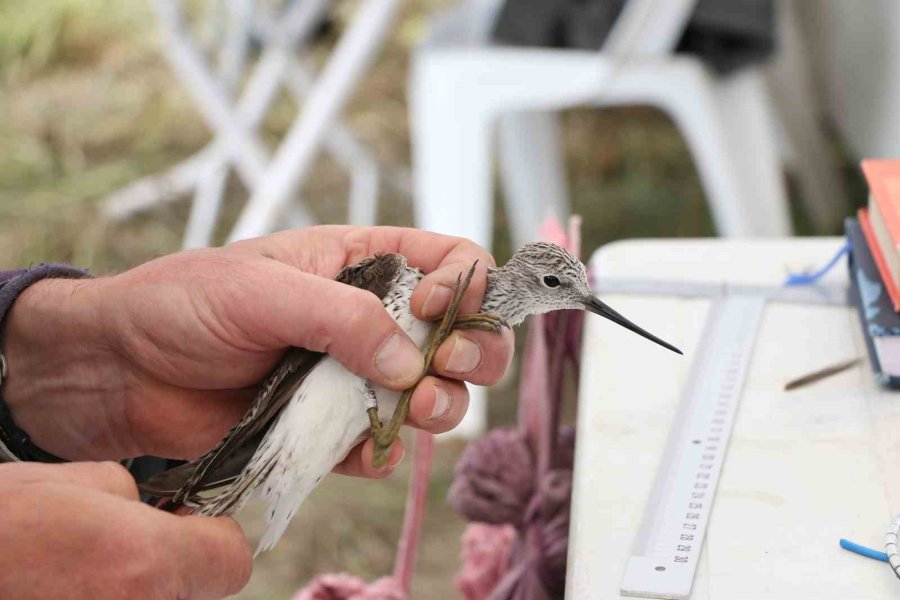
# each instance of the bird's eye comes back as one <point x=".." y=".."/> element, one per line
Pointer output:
<point x="551" y="281"/>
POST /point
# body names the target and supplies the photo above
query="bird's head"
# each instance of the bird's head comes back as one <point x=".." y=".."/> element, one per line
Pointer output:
<point x="551" y="278"/>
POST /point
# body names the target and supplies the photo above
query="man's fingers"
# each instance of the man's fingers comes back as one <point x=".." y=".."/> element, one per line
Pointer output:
<point x="359" y="462"/>
<point x="211" y="555"/>
<point x="331" y="318"/>
<point x="109" y="477"/>
<point x="352" y="326"/>
<point x="438" y="405"/>
<point x="478" y="357"/>
<point x="326" y="249"/>
<point x="292" y="308"/>
<point x="432" y="296"/>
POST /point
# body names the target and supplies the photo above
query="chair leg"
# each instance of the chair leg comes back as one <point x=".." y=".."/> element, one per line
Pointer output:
<point x="451" y="177"/>
<point x="750" y="121"/>
<point x="211" y="188"/>
<point x="205" y="208"/>
<point x="451" y="164"/>
<point x="692" y="101"/>
<point x="248" y="150"/>
<point x="350" y="153"/>
<point x="161" y="188"/>
<point x="532" y="171"/>
<point x="290" y="165"/>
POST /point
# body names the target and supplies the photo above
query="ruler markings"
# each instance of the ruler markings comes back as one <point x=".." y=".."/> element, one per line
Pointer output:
<point x="669" y="541"/>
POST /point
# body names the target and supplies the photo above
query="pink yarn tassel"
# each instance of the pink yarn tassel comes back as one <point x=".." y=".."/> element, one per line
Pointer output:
<point x="485" y="559"/>
<point x="515" y="485"/>
<point x="340" y="586"/>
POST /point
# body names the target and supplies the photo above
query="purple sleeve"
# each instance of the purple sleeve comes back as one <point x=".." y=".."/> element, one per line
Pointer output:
<point x="15" y="443"/>
<point x="13" y="283"/>
<point x="7" y="275"/>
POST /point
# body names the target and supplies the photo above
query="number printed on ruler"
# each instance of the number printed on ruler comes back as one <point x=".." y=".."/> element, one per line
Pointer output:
<point x="671" y="535"/>
<point x="711" y="450"/>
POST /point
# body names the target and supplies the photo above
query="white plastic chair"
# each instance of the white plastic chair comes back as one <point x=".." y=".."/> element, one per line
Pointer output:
<point x="461" y="86"/>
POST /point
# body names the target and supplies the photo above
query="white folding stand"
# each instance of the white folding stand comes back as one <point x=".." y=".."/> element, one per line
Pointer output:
<point x="237" y="144"/>
<point x="291" y="162"/>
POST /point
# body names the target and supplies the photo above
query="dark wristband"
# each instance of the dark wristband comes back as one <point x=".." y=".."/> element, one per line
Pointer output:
<point x="12" y="284"/>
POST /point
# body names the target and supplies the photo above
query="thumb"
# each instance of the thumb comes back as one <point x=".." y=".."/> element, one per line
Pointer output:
<point x="350" y="324"/>
<point x="212" y="556"/>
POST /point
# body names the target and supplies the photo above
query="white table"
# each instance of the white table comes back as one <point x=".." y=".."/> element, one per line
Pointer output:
<point x="803" y="469"/>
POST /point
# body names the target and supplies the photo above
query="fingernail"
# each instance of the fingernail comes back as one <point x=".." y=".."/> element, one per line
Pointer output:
<point x="393" y="462"/>
<point x="437" y="301"/>
<point x="441" y="403"/>
<point x="465" y="356"/>
<point x="398" y="359"/>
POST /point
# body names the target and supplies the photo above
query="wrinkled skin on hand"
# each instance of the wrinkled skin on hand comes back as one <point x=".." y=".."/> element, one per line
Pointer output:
<point x="77" y="531"/>
<point x="164" y="358"/>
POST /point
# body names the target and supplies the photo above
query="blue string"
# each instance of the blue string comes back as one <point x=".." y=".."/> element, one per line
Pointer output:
<point x="812" y="278"/>
<point x="863" y="551"/>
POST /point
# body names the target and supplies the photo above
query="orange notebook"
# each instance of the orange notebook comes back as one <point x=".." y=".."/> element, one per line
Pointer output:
<point x="880" y="262"/>
<point x="883" y="177"/>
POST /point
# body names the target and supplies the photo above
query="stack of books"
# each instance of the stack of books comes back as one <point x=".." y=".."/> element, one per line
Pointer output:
<point x="874" y="238"/>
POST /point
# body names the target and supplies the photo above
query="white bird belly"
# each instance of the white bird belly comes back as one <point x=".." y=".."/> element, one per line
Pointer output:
<point x="319" y="426"/>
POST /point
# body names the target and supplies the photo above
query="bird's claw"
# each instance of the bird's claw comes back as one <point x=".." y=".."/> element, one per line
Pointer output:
<point x="384" y="436"/>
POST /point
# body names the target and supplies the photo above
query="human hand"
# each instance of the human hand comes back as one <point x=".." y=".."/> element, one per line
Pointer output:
<point x="77" y="530"/>
<point x="162" y="359"/>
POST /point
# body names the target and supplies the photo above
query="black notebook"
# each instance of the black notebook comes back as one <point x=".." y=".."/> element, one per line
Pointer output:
<point x="881" y="325"/>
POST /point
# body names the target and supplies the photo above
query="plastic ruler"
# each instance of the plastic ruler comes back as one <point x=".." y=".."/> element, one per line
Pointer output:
<point x="667" y="548"/>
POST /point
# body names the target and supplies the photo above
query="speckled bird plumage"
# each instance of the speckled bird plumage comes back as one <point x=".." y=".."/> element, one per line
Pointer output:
<point x="517" y="289"/>
<point x="318" y="427"/>
<point x="311" y="411"/>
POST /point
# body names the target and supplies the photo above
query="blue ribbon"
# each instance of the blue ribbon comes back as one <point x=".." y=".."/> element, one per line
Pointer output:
<point x="813" y="278"/>
<point x="863" y="551"/>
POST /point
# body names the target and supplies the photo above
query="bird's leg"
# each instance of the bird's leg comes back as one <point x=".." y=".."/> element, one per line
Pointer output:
<point x="385" y="436"/>
<point x="372" y="409"/>
<point x="481" y="321"/>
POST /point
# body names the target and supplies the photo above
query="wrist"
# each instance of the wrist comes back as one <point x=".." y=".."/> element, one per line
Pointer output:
<point x="59" y="361"/>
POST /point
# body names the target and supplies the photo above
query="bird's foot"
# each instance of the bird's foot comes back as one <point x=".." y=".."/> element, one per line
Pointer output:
<point x="491" y="322"/>
<point x="386" y="435"/>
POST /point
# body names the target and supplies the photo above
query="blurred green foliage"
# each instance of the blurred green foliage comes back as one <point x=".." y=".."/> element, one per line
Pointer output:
<point x="37" y="36"/>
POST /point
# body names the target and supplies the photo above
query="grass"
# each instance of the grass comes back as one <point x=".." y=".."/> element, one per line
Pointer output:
<point x="88" y="105"/>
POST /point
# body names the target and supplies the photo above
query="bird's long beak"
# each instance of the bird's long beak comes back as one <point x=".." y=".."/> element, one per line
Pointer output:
<point x="597" y="307"/>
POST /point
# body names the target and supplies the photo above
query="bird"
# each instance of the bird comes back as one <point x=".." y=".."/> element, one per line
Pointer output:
<point x="311" y="411"/>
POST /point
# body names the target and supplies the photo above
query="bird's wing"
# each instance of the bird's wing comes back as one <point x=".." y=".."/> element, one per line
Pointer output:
<point x="377" y="274"/>
<point x="226" y="460"/>
<point x="224" y="463"/>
